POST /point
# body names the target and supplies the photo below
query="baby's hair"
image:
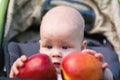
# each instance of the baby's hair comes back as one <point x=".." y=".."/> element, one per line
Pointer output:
<point x="72" y="15"/>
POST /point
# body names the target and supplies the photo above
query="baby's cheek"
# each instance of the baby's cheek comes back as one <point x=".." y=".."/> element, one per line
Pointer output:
<point x="43" y="51"/>
<point x="46" y="53"/>
<point x="65" y="54"/>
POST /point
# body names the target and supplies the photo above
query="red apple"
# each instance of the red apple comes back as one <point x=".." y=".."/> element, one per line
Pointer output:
<point x="38" y="66"/>
<point x="79" y="66"/>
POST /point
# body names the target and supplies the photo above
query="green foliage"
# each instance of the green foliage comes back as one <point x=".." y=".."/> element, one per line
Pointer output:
<point x="119" y="1"/>
<point x="3" y="8"/>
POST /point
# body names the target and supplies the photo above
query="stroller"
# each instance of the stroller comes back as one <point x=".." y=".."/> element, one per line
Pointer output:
<point x="26" y="41"/>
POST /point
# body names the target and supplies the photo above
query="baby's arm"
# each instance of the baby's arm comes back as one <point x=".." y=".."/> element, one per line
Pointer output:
<point x="107" y="75"/>
<point x="18" y="63"/>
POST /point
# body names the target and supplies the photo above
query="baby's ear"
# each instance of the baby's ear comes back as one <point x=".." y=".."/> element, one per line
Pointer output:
<point x="39" y="41"/>
<point x="84" y="44"/>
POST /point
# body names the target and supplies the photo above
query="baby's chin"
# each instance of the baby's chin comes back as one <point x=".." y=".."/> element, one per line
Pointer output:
<point x="59" y="73"/>
<point x="58" y="70"/>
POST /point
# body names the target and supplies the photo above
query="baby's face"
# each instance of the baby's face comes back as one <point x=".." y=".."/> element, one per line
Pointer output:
<point x="61" y="32"/>
<point x="58" y="45"/>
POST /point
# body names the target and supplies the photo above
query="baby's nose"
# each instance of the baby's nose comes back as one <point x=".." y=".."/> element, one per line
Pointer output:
<point x="56" y="53"/>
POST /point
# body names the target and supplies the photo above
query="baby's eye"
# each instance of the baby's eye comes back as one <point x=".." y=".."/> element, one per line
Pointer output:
<point x="49" y="47"/>
<point x="65" y="47"/>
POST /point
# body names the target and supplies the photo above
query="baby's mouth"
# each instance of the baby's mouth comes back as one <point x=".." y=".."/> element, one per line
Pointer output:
<point x="57" y="67"/>
<point x="56" y="64"/>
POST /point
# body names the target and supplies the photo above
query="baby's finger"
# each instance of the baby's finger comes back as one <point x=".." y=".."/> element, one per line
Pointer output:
<point x="11" y="75"/>
<point x="100" y="57"/>
<point x="20" y="61"/>
<point x="14" y="72"/>
<point x="23" y="58"/>
<point x="92" y="52"/>
<point x="104" y="65"/>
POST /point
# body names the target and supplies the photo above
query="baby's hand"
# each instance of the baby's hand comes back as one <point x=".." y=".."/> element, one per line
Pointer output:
<point x="107" y="73"/>
<point x="99" y="56"/>
<point x="18" y="63"/>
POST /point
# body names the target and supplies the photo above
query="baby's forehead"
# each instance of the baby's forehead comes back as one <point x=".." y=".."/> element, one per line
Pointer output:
<point x="62" y="34"/>
<point x="62" y="15"/>
<point x="59" y="21"/>
<point x="61" y="28"/>
<point x="64" y="24"/>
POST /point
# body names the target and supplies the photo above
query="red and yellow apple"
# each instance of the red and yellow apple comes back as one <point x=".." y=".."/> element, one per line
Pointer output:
<point x="38" y="66"/>
<point x="81" y="66"/>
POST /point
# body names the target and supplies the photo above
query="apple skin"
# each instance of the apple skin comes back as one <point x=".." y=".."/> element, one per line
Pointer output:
<point x="79" y="66"/>
<point x="38" y="66"/>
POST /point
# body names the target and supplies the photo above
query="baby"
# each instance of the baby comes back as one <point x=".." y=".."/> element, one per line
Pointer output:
<point x="61" y="32"/>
